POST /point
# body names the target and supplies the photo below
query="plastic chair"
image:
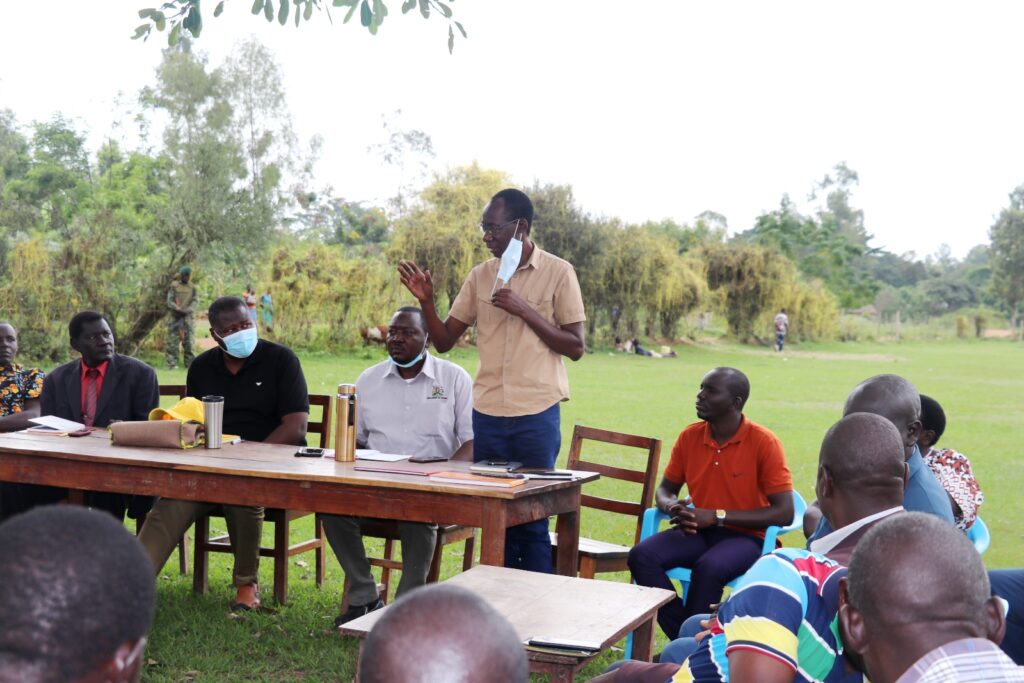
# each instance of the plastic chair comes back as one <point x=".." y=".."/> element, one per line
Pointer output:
<point x="652" y="523"/>
<point x="979" y="535"/>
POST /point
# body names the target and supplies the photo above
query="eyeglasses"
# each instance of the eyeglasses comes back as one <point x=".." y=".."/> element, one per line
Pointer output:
<point x="495" y="229"/>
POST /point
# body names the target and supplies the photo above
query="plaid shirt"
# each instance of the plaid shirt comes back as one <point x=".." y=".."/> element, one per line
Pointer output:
<point x="970" y="660"/>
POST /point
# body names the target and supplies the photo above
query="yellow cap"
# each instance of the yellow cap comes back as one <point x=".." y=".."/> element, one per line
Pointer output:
<point x="187" y="410"/>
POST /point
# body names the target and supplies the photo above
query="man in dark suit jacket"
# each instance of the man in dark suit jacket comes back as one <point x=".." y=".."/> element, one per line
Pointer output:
<point x="96" y="390"/>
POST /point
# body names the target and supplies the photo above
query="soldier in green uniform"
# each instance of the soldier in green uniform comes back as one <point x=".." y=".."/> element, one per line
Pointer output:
<point x="181" y="299"/>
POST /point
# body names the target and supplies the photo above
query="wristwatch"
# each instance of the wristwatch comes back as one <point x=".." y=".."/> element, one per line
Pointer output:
<point x="720" y="516"/>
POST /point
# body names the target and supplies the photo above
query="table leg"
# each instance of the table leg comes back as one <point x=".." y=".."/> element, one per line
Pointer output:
<point x="492" y="534"/>
<point x="643" y="641"/>
<point x="567" y="553"/>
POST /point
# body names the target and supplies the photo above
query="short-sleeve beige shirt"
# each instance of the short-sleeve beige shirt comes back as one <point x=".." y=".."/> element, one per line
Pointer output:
<point x="518" y="373"/>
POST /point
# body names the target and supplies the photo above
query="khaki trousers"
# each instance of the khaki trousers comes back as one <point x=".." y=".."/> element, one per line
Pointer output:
<point x="170" y="519"/>
<point x="346" y="539"/>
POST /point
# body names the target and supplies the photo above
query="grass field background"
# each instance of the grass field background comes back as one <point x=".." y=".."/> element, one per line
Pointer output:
<point x="797" y="394"/>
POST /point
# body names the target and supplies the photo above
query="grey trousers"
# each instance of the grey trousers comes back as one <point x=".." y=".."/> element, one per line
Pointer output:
<point x="170" y="519"/>
<point x="346" y="539"/>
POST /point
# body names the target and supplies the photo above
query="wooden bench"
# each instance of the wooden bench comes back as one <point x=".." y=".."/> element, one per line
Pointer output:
<point x="557" y="606"/>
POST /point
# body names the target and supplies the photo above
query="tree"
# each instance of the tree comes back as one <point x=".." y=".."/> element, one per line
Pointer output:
<point x="1007" y="255"/>
<point x="441" y="232"/>
<point x="223" y="201"/>
<point x="178" y="15"/>
<point x="751" y="278"/>
<point x="407" y="151"/>
<point x="562" y="228"/>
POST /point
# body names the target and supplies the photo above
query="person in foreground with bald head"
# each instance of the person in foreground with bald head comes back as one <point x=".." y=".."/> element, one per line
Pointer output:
<point x="76" y="598"/>
<point x="895" y="399"/>
<point x="777" y="625"/>
<point x="916" y="606"/>
<point x="442" y="634"/>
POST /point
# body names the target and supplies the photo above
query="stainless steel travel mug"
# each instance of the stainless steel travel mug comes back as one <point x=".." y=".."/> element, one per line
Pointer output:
<point x="213" y="420"/>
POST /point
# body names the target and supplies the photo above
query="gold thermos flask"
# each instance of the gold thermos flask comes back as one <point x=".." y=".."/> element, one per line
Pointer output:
<point x="345" y="419"/>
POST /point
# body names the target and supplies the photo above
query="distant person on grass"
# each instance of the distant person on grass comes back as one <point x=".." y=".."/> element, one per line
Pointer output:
<point x="951" y="468"/>
<point x="918" y="607"/>
<point x="267" y="306"/>
<point x="265" y="399"/>
<point x="781" y="329"/>
<point x="528" y="311"/>
<point x="443" y="634"/>
<point x="181" y="323"/>
<point x="738" y="483"/>
<point x="779" y="624"/>
<point x="895" y="399"/>
<point x="76" y="598"/>
<point x="412" y="403"/>
<point x="20" y="387"/>
<point x="100" y="388"/>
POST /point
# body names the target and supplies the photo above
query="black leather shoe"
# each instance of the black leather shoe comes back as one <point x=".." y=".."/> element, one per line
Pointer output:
<point x="356" y="611"/>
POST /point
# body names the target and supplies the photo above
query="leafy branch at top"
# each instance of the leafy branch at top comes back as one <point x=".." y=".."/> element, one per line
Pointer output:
<point x="177" y="15"/>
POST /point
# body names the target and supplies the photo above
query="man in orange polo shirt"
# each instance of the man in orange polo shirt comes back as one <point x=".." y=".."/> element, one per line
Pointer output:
<point x="738" y="484"/>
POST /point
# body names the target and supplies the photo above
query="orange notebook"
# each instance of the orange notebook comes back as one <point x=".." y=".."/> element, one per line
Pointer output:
<point x="475" y="480"/>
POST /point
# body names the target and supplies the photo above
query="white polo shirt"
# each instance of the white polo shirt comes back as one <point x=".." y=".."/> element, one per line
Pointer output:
<point x="430" y="414"/>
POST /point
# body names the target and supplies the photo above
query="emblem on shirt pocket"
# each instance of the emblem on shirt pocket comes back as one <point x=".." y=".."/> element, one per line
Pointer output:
<point x="437" y="392"/>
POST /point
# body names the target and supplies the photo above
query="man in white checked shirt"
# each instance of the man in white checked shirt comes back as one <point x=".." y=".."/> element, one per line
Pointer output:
<point x="916" y="606"/>
<point x="416" y="404"/>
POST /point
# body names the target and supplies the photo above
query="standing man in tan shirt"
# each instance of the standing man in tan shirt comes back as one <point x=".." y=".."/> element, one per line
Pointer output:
<point x="528" y="311"/>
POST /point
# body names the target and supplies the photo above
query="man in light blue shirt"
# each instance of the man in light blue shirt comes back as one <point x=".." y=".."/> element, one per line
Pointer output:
<point x="411" y="404"/>
<point x="896" y="399"/>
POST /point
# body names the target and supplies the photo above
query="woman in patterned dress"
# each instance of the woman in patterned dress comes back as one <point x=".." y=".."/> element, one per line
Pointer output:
<point x="19" y="387"/>
<point x="951" y="468"/>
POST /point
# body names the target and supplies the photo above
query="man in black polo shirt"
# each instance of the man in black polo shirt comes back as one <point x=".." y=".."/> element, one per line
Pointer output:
<point x="265" y="399"/>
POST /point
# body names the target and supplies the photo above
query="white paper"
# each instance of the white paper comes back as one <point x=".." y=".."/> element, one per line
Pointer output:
<point x="370" y="454"/>
<point x="58" y="423"/>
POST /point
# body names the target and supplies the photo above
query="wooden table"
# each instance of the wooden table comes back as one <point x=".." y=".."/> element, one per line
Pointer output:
<point x="559" y="607"/>
<point x="253" y="473"/>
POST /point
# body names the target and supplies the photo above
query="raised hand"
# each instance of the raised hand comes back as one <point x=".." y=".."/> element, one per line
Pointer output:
<point x="418" y="282"/>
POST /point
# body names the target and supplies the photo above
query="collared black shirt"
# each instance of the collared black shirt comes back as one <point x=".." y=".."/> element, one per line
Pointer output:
<point x="269" y="386"/>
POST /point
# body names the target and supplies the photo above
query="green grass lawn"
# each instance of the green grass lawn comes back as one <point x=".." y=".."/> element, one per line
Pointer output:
<point x="798" y="394"/>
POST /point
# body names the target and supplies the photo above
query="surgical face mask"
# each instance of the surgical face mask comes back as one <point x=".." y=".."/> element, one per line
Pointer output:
<point x="242" y="343"/>
<point x="510" y="258"/>
<point x="414" y="361"/>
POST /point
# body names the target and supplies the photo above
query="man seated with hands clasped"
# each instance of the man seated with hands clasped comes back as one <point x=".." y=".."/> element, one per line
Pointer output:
<point x="265" y="399"/>
<point x="412" y="403"/>
<point x="738" y="483"/>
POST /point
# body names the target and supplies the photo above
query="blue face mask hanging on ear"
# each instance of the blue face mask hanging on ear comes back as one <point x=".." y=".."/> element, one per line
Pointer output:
<point x="509" y="261"/>
<point x="413" y="362"/>
<point x="241" y="344"/>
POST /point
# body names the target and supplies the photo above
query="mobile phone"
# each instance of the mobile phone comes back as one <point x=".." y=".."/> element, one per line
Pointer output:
<point x="307" y="452"/>
<point x="428" y="458"/>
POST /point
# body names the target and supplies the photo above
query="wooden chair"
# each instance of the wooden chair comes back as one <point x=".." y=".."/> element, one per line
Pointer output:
<point x="281" y="551"/>
<point x="599" y="556"/>
<point x="388" y="530"/>
<point x="178" y="392"/>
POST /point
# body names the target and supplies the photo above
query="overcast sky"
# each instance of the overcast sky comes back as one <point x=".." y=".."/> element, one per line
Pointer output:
<point x="650" y="110"/>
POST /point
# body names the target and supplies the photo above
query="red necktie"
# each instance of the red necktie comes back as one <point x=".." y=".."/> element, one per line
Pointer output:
<point x="91" y="396"/>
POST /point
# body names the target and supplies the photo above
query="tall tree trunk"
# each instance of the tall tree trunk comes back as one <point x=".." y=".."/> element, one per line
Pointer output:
<point x="150" y="310"/>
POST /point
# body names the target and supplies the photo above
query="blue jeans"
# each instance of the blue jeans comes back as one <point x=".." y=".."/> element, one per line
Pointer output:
<point x="1009" y="585"/>
<point x="685" y="645"/>
<point x="533" y="440"/>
